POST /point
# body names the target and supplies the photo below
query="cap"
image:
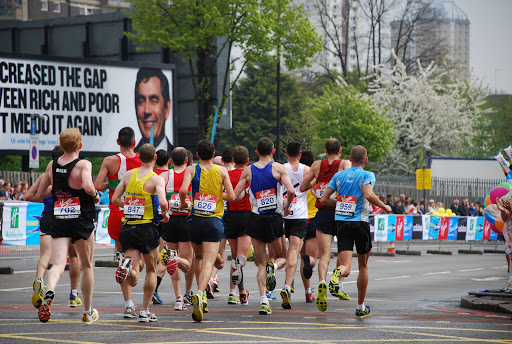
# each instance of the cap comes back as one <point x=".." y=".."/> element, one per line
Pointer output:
<point x="431" y="201"/>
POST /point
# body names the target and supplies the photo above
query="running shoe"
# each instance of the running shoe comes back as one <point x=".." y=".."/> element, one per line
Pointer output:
<point x="88" y="319"/>
<point x="362" y="313"/>
<point x="292" y="287"/>
<point x="287" y="299"/>
<point x="180" y="305"/>
<point x="265" y="309"/>
<point x="197" y="313"/>
<point x="271" y="296"/>
<point x="310" y="298"/>
<point x="188" y="298"/>
<point x="38" y="296"/>
<point x="244" y="297"/>
<point x="238" y="274"/>
<point x="172" y="264"/>
<point x="129" y="312"/>
<point x="210" y="290"/>
<point x="147" y="316"/>
<point x="205" y="303"/>
<point x="216" y="284"/>
<point x="342" y="294"/>
<point x="74" y="301"/>
<point x="232" y="299"/>
<point x="321" y="299"/>
<point x="124" y="269"/>
<point x="271" y="276"/>
<point x="119" y="257"/>
<point x="45" y="310"/>
<point x="307" y="270"/>
<point x="165" y="255"/>
<point x="156" y="299"/>
<point x="334" y="283"/>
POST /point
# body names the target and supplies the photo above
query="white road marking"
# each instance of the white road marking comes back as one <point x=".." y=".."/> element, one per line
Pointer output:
<point x="389" y="278"/>
<point x="467" y="270"/>
<point x="488" y="279"/>
<point x="437" y="273"/>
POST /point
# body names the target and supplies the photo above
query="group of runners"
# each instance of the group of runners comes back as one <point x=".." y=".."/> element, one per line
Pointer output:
<point x="178" y="220"/>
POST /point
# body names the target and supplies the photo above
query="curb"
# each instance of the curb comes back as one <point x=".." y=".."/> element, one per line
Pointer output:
<point x="470" y="252"/>
<point x="447" y="253"/>
<point x="6" y="270"/>
<point x="495" y="251"/>
<point x="486" y="303"/>
<point x="106" y="264"/>
<point x="408" y="253"/>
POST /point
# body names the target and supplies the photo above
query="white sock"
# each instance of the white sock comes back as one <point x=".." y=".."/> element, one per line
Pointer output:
<point x="129" y="303"/>
<point x="322" y="281"/>
<point x="308" y="291"/>
<point x="145" y="310"/>
<point x="74" y="292"/>
<point x="232" y="291"/>
<point x="88" y="312"/>
<point x="287" y="287"/>
<point x="341" y="284"/>
<point x="360" y="307"/>
<point x="264" y="300"/>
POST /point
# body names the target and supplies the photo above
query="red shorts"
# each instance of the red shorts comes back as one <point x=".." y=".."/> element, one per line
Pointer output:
<point x="114" y="224"/>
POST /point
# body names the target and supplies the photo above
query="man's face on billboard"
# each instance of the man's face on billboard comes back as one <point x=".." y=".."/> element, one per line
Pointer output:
<point x="152" y="110"/>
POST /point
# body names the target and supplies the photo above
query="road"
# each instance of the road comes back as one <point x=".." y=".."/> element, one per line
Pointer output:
<point x="413" y="299"/>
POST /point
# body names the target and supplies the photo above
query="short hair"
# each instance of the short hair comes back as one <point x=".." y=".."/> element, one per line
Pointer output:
<point x="293" y="148"/>
<point x="307" y="158"/>
<point x="178" y="156"/>
<point x="332" y="146"/>
<point x="57" y="152"/>
<point x="240" y="155"/>
<point x="70" y="139"/>
<point x="144" y="74"/>
<point x="227" y="154"/>
<point x="126" y="136"/>
<point x="147" y="153"/>
<point x="190" y="158"/>
<point x="265" y="146"/>
<point x="205" y="149"/>
<point x="358" y="154"/>
<point x="162" y="157"/>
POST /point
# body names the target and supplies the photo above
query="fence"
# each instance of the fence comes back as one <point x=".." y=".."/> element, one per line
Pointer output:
<point x="15" y="177"/>
<point x="443" y="189"/>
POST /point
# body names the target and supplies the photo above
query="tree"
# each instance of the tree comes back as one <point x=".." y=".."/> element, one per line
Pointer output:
<point x="345" y="113"/>
<point x="254" y="115"/>
<point x="204" y="30"/>
<point x="433" y="116"/>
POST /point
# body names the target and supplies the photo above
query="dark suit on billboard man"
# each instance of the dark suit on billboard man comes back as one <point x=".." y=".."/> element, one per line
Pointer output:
<point x="153" y="107"/>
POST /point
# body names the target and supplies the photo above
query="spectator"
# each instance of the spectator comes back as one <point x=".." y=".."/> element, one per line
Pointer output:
<point x="16" y="194"/>
<point x="421" y="207"/>
<point x="431" y="206"/>
<point x="24" y="188"/>
<point x="455" y="207"/>
<point x="397" y="208"/>
<point x="409" y="207"/>
<point x="472" y="210"/>
<point x="463" y="207"/>
<point x="416" y="210"/>
<point x="479" y="210"/>
<point x="5" y="192"/>
<point x="389" y="200"/>
<point x="402" y="202"/>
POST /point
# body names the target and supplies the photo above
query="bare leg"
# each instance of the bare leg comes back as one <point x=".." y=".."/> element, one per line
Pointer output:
<point x="261" y="261"/>
<point x="324" y="248"/>
<point x="150" y="282"/>
<point x="74" y="267"/>
<point x="45" y="249"/>
<point x="362" y="278"/>
<point x="59" y="250"/>
<point x="85" y="249"/>
<point x="291" y="259"/>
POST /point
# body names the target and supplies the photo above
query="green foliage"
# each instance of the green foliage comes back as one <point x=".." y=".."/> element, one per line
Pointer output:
<point x="13" y="163"/>
<point x="348" y="115"/>
<point x="254" y="110"/>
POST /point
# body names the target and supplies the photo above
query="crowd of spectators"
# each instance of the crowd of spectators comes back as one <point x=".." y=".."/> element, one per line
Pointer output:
<point x="406" y="205"/>
<point x="10" y="192"/>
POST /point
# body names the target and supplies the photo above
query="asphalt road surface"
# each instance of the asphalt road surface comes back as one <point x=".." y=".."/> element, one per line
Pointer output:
<point x="413" y="299"/>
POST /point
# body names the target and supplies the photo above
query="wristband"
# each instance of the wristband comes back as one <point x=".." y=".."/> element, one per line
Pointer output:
<point x="96" y="194"/>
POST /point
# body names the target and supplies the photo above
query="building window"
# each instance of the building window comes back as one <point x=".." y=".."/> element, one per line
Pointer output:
<point x="44" y="5"/>
<point x="56" y="7"/>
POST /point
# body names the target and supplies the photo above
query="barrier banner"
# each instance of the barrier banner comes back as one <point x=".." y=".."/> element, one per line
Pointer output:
<point x="479" y="233"/>
<point x="408" y="225"/>
<point x="435" y="225"/>
<point x="453" y="227"/>
<point x="102" y="236"/>
<point x="391" y="228"/>
<point x="461" y="232"/>
<point x="399" y="228"/>
<point x="425" y="219"/>
<point x="34" y="211"/>
<point x="443" y="228"/>
<point x="417" y="227"/>
<point x="381" y="227"/>
<point x="14" y="226"/>
<point x="471" y="228"/>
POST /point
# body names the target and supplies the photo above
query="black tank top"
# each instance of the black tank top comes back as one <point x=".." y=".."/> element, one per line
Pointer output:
<point x="70" y="203"/>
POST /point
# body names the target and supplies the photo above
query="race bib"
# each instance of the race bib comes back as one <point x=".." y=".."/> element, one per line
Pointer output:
<point x="320" y="189"/>
<point x="175" y="202"/>
<point x="346" y="205"/>
<point x="67" y="208"/>
<point x="266" y="200"/>
<point x="205" y="204"/>
<point x="134" y="208"/>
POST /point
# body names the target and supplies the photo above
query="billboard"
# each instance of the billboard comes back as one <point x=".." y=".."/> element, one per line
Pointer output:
<point x="95" y="98"/>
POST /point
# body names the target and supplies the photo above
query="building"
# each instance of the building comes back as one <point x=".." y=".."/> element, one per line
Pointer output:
<point x="439" y="33"/>
<point x="25" y="10"/>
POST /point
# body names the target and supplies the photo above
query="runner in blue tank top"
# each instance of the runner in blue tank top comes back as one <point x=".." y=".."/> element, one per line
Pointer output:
<point x="354" y="189"/>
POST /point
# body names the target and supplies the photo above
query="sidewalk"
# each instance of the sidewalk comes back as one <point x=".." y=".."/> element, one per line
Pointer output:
<point x="488" y="300"/>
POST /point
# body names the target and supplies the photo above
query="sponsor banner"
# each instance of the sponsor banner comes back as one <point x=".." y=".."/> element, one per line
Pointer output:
<point x="417" y="227"/>
<point x="426" y="227"/>
<point x="435" y="225"/>
<point x="487" y="230"/>
<point x="453" y="227"/>
<point x="34" y="211"/>
<point x="443" y="228"/>
<point x="14" y="224"/>
<point x="399" y="228"/>
<point x="461" y="232"/>
<point x="97" y="99"/>
<point x="102" y="236"/>
<point x="471" y="228"/>
<point x="479" y="234"/>
<point x="381" y="227"/>
<point x="391" y="228"/>
<point x="408" y="226"/>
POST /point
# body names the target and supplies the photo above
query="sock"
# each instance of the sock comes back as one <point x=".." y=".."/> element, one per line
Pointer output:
<point x="264" y="300"/>
<point x="232" y="291"/>
<point x="145" y="310"/>
<point x="88" y="312"/>
<point x="287" y="287"/>
<point x="189" y="292"/>
<point x="179" y="298"/>
<point x="322" y="281"/>
<point x="308" y="291"/>
<point x="74" y="292"/>
<point x="242" y="260"/>
<point x="158" y="281"/>
<point x="360" y="307"/>
<point x="129" y="303"/>
<point x="341" y="284"/>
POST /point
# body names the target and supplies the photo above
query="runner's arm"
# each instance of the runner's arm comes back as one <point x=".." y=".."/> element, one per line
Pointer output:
<point x="99" y="183"/>
<point x="240" y="187"/>
<point x="187" y="179"/>
<point x="285" y="180"/>
<point x="160" y="191"/>
<point x="31" y="194"/>
<point x="326" y="198"/>
<point x="373" y="198"/>
<point x="308" y="178"/>
<point x="45" y="182"/>
<point x="345" y="165"/>
<point x="230" y="195"/>
<point x="121" y="187"/>
<point x="87" y="180"/>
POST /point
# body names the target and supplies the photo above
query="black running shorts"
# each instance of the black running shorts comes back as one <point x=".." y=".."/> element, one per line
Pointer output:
<point x="236" y="223"/>
<point x="324" y="220"/>
<point x="350" y="232"/>
<point x="175" y="230"/>
<point x="204" y="229"/>
<point x="45" y="224"/>
<point x="295" y="227"/>
<point x="76" y="229"/>
<point x="311" y="230"/>
<point x="265" y="227"/>
<point x="143" y="237"/>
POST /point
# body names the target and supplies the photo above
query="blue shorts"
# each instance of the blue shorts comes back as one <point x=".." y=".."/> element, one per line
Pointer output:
<point x="204" y="229"/>
<point x="324" y="221"/>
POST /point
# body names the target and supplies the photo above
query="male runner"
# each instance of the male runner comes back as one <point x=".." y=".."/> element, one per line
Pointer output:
<point x="45" y="248"/>
<point x="354" y="188"/>
<point x="265" y="222"/>
<point x="174" y="232"/>
<point x="114" y="167"/>
<point x="296" y="223"/>
<point x="323" y="171"/>
<point x="237" y="221"/>
<point x="74" y="196"/>
<point x="204" y="225"/>
<point x="144" y="192"/>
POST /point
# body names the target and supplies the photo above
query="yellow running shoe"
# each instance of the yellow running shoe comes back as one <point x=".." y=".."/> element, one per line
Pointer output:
<point x="164" y="255"/>
<point x="38" y="296"/>
<point x="89" y="319"/>
<point x="74" y="301"/>
<point x="321" y="299"/>
<point x="197" y="313"/>
<point x="265" y="309"/>
<point x="205" y="303"/>
<point x="334" y="283"/>
<point x="287" y="299"/>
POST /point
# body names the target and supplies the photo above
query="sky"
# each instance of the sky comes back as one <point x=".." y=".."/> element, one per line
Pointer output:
<point x="490" y="41"/>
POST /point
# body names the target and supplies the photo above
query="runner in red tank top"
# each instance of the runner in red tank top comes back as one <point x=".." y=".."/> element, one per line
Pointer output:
<point x="323" y="171"/>
<point x="114" y="167"/>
